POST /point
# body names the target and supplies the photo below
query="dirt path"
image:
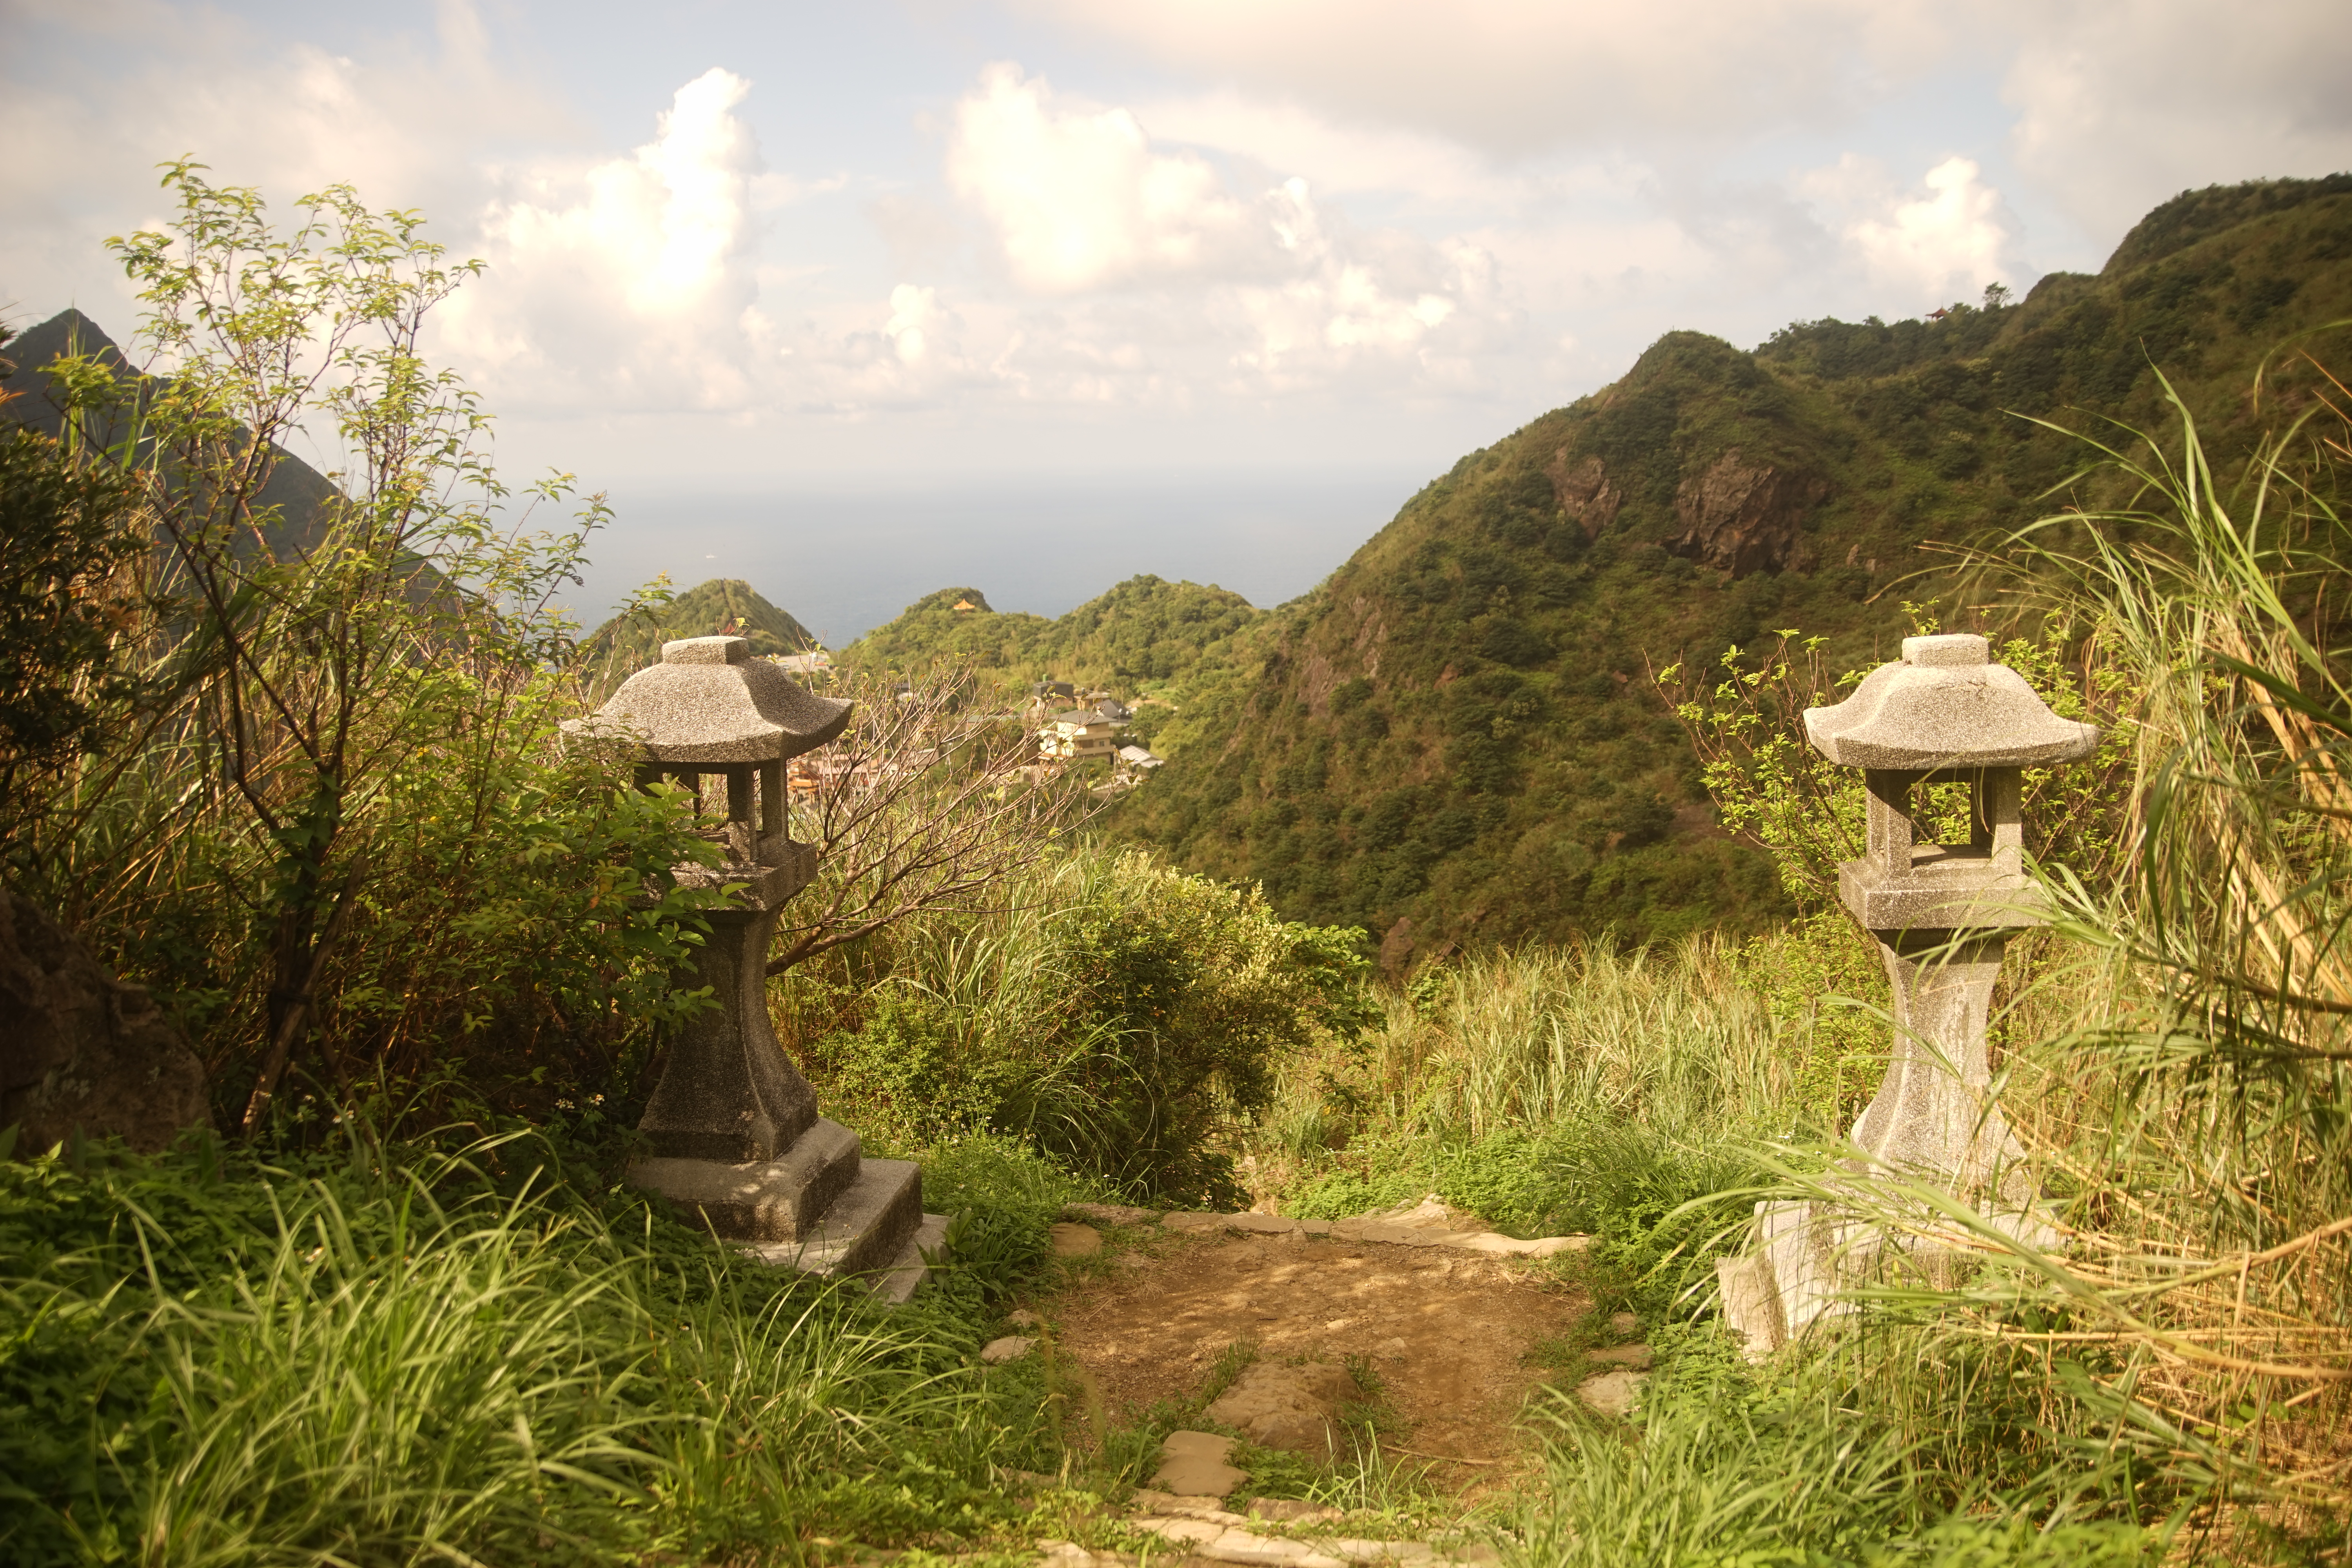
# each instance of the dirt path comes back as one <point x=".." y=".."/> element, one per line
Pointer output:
<point x="1449" y="1334"/>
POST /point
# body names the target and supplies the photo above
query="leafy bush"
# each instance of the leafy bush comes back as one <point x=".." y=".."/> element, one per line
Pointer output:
<point x="69" y="530"/>
<point x="1119" y="1015"/>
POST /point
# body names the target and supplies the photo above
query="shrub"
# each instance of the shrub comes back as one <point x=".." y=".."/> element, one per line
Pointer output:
<point x="1117" y="1013"/>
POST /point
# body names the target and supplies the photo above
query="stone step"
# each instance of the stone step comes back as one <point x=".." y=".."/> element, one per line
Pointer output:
<point x="866" y="1228"/>
<point x="898" y="1283"/>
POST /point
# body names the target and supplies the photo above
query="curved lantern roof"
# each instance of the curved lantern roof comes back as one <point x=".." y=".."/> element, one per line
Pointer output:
<point x="708" y="700"/>
<point x="1947" y="705"/>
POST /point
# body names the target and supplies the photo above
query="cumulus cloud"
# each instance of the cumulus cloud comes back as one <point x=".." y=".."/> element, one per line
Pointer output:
<point x="1081" y="200"/>
<point x="643" y="266"/>
<point x="1925" y="247"/>
<point x="1078" y="197"/>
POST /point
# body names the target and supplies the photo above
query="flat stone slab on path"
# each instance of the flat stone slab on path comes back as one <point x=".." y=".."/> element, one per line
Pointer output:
<point x="1278" y="1405"/>
<point x="1193" y="1464"/>
<point x="1075" y="1240"/>
<point x="1612" y="1392"/>
<point x="1206" y="1530"/>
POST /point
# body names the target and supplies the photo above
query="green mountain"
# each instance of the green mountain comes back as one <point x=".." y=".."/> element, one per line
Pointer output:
<point x="1458" y="728"/>
<point x="628" y="643"/>
<point x="1143" y="637"/>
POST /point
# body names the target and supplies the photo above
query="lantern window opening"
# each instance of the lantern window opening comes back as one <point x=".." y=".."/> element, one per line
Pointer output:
<point x="1898" y="845"/>
<point x="755" y="799"/>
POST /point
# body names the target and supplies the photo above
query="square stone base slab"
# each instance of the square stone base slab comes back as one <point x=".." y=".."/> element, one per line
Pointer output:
<point x="898" y="1283"/>
<point x="866" y="1229"/>
<point x="778" y="1200"/>
<point x="1809" y="1252"/>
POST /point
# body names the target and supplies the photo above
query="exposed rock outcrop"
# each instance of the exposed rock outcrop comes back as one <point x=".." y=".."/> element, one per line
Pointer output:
<point x="1293" y="1407"/>
<point x="81" y="1049"/>
<point x="1584" y="492"/>
<point x="1396" y="949"/>
<point x="1741" y="518"/>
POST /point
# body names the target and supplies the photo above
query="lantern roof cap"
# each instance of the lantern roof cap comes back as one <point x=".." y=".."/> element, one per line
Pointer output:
<point x="1946" y="705"/>
<point x="710" y="701"/>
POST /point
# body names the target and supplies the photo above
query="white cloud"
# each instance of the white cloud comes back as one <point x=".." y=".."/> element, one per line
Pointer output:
<point x="914" y="313"/>
<point x="1517" y="76"/>
<point x="2122" y="103"/>
<point x="1921" y="249"/>
<point x="1335" y="159"/>
<point x="2119" y="104"/>
<point x="1349" y="211"/>
<point x="1082" y="201"/>
<point x="1078" y="196"/>
<point x="628" y="279"/>
<point x="100" y="96"/>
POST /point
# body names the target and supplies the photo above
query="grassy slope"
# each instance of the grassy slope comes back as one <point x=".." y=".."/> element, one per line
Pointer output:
<point x="1457" y="726"/>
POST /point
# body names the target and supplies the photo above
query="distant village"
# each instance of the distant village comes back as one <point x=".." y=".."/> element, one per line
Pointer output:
<point x="1070" y="726"/>
<point x="1086" y="732"/>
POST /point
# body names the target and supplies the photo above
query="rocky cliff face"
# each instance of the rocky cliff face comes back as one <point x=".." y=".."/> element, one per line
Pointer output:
<point x="1740" y="517"/>
<point x="1584" y="493"/>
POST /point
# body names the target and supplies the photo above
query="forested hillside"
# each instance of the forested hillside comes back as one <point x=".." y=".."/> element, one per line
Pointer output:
<point x="1459" y="726"/>
<point x="630" y="640"/>
<point x="1145" y="636"/>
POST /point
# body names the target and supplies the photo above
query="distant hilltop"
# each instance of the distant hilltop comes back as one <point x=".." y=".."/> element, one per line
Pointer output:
<point x="1137" y="637"/>
<point x="723" y="605"/>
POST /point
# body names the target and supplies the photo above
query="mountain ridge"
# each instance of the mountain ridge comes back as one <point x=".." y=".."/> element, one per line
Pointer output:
<point x="1457" y="729"/>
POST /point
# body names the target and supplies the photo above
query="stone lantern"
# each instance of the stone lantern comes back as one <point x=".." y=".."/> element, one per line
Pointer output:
<point x="732" y="1128"/>
<point x="1941" y="914"/>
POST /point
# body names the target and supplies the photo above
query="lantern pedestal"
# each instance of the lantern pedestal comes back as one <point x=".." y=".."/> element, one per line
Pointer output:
<point x="1942" y="914"/>
<point x="1931" y="1119"/>
<point x="1931" y="1113"/>
<point x="732" y="1128"/>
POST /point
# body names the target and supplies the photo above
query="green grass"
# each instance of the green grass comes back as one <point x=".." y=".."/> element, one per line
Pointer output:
<point x="411" y="1354"/>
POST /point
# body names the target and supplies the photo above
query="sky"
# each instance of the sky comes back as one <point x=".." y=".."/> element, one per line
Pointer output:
<point x="856" y="302"/>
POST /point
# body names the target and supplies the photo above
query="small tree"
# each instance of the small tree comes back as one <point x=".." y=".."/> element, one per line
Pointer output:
<point x="349" y="699"/>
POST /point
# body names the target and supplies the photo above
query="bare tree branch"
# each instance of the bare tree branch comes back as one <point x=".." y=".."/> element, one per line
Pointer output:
<point x="926" y="803"/>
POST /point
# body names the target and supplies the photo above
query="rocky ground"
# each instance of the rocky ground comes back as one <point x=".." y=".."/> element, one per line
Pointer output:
<point x="1416" y="1330"/>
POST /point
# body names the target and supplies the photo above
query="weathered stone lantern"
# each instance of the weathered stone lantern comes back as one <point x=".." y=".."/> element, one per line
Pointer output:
<point x="1942" y="914"/>
<point x="733" y="1127"/>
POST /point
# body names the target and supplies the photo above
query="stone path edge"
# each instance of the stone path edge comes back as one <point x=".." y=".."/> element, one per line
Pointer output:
<point x="1491" y="1243"/>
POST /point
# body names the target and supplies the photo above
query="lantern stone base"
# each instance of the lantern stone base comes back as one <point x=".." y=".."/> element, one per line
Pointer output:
<point x="818" y="1207"/>
<point x="1809" y="1252"/>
